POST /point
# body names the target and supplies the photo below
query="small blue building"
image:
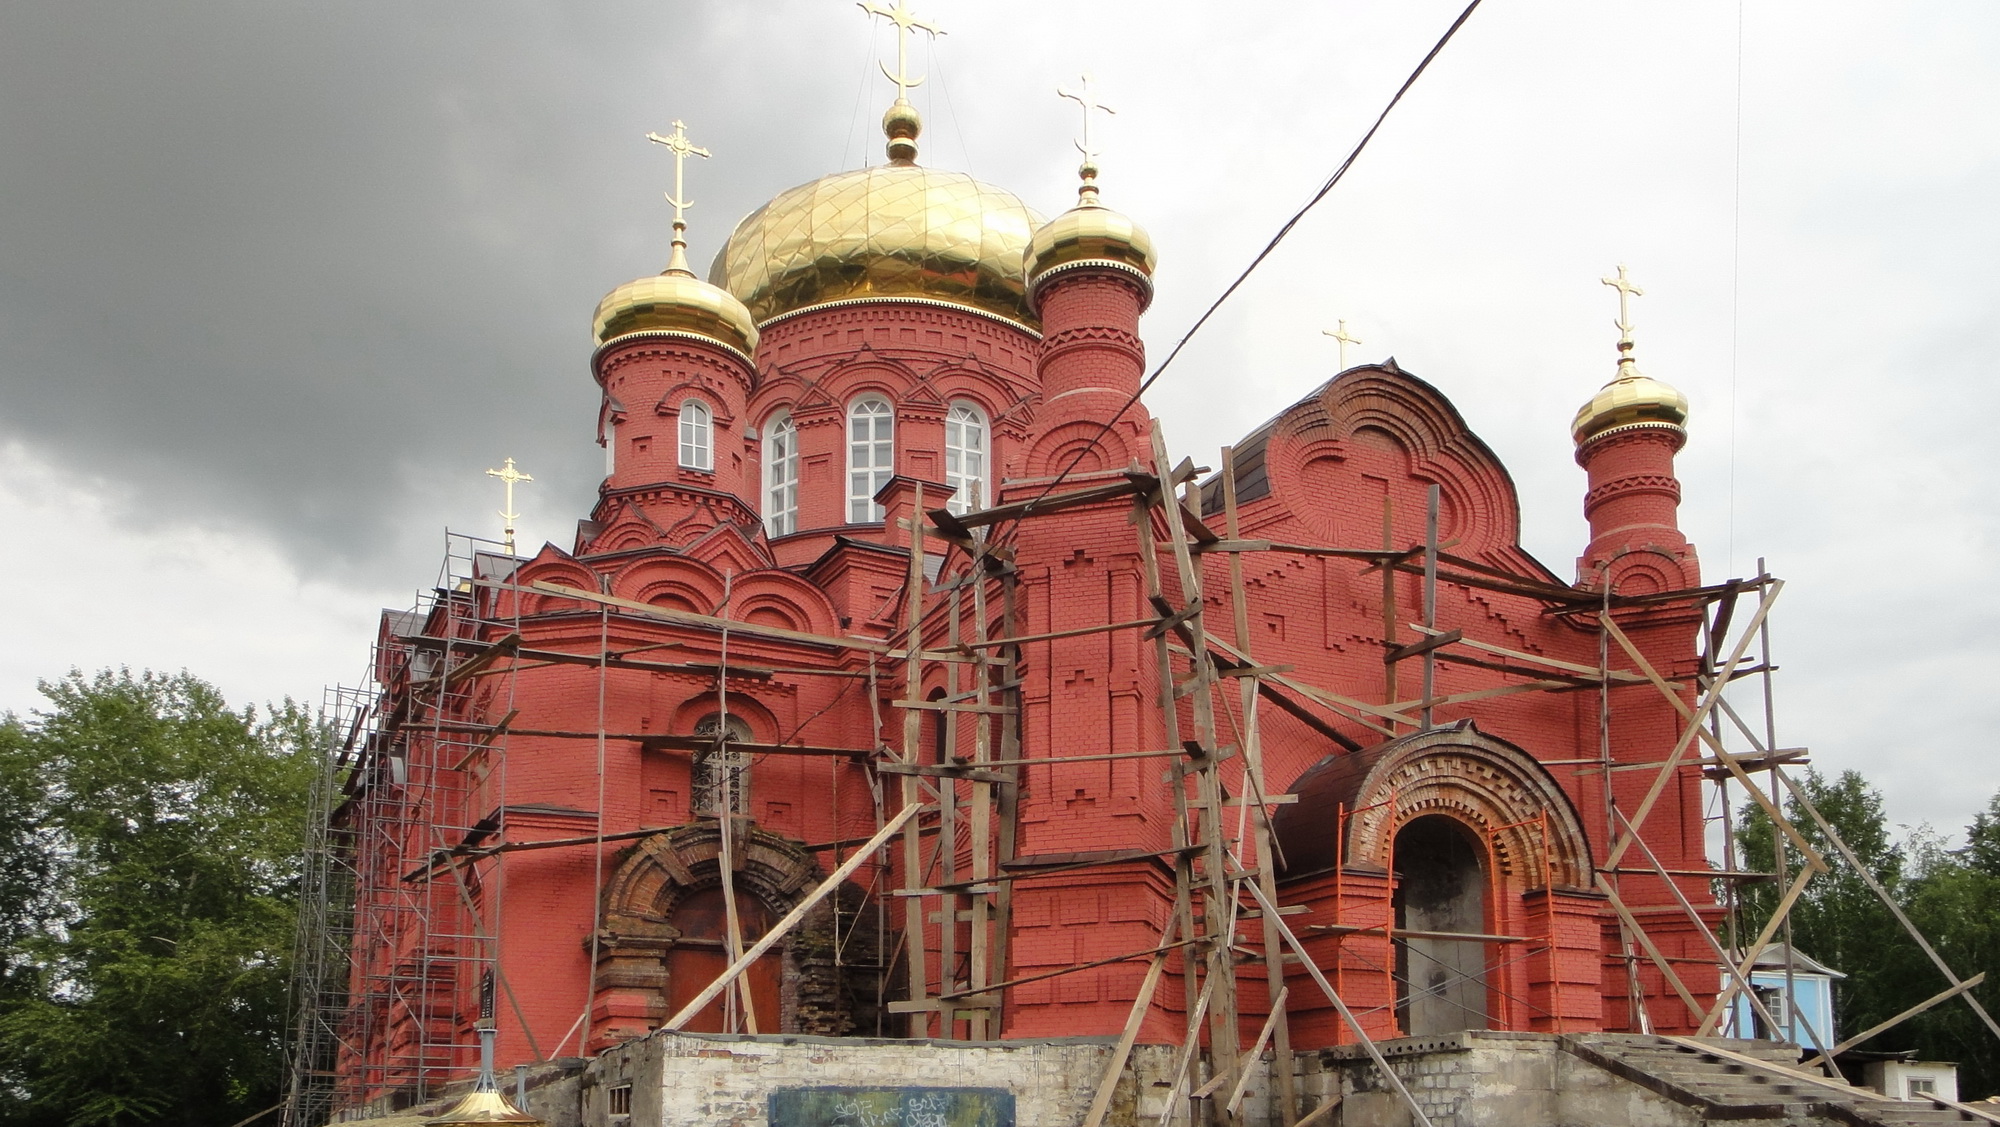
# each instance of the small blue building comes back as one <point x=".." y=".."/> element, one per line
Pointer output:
<point x="1805" y="1017"/>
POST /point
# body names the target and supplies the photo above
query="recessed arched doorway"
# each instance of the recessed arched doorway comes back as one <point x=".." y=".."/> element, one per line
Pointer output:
<point x="1440" y="890"/>
<point x="700" y="954"/>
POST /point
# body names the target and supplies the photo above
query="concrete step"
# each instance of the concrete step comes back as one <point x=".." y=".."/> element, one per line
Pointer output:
<point x="1722" y="1084"/>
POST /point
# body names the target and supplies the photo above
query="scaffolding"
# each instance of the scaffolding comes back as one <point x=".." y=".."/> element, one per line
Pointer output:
<point x="393" y="941"/>
<point x="390" y="953"/>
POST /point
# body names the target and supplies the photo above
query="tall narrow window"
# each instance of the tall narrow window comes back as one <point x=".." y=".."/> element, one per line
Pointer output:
<point x="721" y="772"/>
<point x="781" y="477"/>
<point x="610" y="446"/>
<point x="871" y="456"/>
<point x="965" y="457"/>
<point x="697" y="435"/>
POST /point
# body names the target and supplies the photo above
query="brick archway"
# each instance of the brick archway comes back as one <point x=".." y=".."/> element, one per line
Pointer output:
<point x="1494" y="789"/>
<point x="636" y="940"/>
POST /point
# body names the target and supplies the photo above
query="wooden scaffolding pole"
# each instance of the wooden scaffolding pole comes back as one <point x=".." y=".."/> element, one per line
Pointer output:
<point x="913" y="849"/>
<point x="1277" y="1027"/>
<point x="1219" y="897"/>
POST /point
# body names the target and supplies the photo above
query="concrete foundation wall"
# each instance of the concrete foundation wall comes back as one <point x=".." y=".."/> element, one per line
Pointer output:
<point x="1471" y="1079"/>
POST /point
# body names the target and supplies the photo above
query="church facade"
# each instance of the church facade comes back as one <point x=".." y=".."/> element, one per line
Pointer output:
<point x="657" y="741"/>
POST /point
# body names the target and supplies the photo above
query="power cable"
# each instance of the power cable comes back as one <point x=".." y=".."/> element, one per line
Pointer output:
<point x="1104" y="427"/>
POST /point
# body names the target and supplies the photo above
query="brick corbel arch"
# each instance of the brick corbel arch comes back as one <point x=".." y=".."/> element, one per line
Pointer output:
<point x="635" y="937"/>
<point x="1496" y="790"/>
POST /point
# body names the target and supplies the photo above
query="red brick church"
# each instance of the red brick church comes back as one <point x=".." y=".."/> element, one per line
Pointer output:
<point x="588" y="764"/>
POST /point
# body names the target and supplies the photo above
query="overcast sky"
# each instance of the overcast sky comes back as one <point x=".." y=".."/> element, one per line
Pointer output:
<point x="279" y="280"/>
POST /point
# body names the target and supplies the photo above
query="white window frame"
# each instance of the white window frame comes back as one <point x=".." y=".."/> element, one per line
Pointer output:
<point x="610" y="445"/>
<point x="697" y="435"/>
<point x="966" y="462"/>
<point x="781" y="475"/>
<point x="871" y="456"/>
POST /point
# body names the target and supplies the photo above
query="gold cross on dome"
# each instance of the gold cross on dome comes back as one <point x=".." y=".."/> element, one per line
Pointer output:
<point x="904" y="19"/>
<point x="1087" y="98"/>
<point x="507" y="473"/>
<point x="1626" y="291"/>
<point x="1340" y="335"/>
<point x="678" y="144"/>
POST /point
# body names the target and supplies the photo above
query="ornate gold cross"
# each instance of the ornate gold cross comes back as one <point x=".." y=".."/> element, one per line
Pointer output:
<point x="683" y="148"/>
<point x="904" y="19"/>
<point x="1626" y="291"/>
<point x="1086" y="98"/>
<point x="512" y="477"/>
<point x="1340" y="335"/>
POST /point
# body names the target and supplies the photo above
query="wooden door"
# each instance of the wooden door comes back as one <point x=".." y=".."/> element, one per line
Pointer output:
<point x="700" y="955"/>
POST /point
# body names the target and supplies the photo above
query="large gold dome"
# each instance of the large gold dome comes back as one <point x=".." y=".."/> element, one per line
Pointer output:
<point x="895" y="230"/>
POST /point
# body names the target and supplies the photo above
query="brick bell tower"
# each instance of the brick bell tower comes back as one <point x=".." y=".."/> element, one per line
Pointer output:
<point x="674" y="358"/>
<point x="1089" y="278"/>
<point x="1626" y="438"/>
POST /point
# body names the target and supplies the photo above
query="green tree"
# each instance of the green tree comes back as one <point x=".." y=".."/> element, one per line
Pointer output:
<point x="1952" y="896"/>
<point x="151" y="988"/>
<point x="1839" y="920"/>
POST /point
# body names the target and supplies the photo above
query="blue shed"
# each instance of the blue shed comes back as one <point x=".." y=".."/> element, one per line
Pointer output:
<point x="1805" y="1018"/>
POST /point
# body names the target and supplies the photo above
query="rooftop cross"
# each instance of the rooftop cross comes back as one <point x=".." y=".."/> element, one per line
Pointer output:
<point x="904" y="19"/>
<point x="1626" y="291"/>
<point x="1340" y="334"/>
<point x="678" y="144"/>
<point x="1087" y="98"/>
<point x="1627" y="365"/>
<point x="512" y="477"/>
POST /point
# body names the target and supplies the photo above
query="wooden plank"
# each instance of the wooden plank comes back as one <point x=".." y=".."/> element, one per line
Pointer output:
<point x="791" y="919"/>
<point x="1884" y="1026"/>
<point x="1659" y="960"/>
<point x="944" y="771"/>
<point x="1756" y="948"/>
<point x="690" y="618"/>
<point x="913" y="866"/>
<point x="948" y="706"/>
<point x="1660" y="781"/>
<point x="1053" y="635"/>
<point x="1257" y="1050"/>
<point x="1150" y="952"/>
<point x="1041" y="505"/>
<point x="1844" y="1088"/>
<point x="1339" y="1004"/>
<point x="1115" y="1067"/>
<point x="1422" y="646"/>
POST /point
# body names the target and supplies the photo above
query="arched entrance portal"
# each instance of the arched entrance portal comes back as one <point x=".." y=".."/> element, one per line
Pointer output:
<point x="1440" y="890"/>
<point x="700" y="954"/>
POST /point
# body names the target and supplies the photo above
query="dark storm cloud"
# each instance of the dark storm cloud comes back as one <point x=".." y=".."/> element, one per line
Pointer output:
<point x="273" y="263"/>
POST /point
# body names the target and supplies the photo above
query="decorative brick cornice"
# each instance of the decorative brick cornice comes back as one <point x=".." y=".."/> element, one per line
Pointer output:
<point x="1094" y="337"/>
<point x="1100" y="269"/>
<point x="1664" y="485"/>
<point x="665" y="342"/>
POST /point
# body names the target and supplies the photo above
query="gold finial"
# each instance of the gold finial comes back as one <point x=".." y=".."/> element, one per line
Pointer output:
<point x="1340" y="335"/>
<point x="1627" y="365"/>
<point x="682" y="148"/>
<point x="901" y="123"/>
<point x="1086" y="98"/>
<point x="512" y="477"/>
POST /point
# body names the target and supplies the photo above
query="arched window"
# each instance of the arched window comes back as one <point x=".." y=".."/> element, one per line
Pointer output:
<point x="697" y="435"/>
<point x="781" y="476"/>
<point x="965" y="457"/>
<point x="721" y="772"/>
<point x="871" y="456"/>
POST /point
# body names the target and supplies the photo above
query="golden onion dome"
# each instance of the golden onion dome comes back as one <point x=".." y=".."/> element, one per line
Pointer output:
<point x="894" y="230"/>
<point x="1631" y="400"/>
<point x="1089" y="232"/>
<point x="675" y="301"/>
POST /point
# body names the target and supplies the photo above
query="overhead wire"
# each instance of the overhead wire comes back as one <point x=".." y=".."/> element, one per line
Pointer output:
<point x="1290" y="224"/>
